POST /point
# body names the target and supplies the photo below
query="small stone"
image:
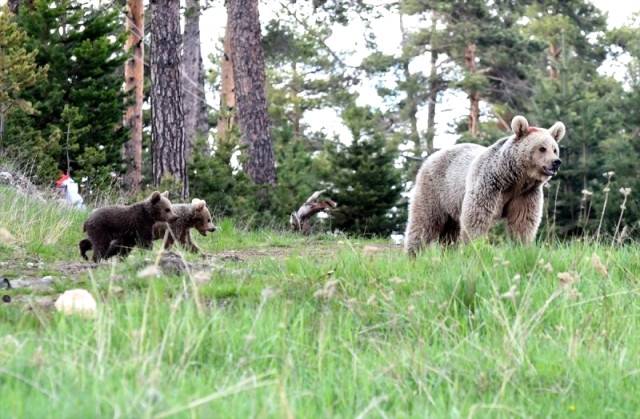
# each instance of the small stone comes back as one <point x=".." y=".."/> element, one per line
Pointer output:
<point x="76" y="301"/>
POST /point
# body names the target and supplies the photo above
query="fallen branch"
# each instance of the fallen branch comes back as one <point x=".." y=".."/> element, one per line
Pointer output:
<point x="301" y="220"/>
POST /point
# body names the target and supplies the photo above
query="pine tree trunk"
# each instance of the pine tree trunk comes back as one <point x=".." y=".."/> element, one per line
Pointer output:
<point x="555" y="53"/>
<point x="294" y="89"/>
<point x="134" y="80"/>
<point x="474" y="97"/>
<point x="167" y="115"/>
<point x="434" y="89"/>
<point x="411" y="101"/>
<point x="14" y="6"/>
<point x="226" y="120"/>
<point x="196" y="120"/>
<point x="249" y="71"/>
<point x="3" y="121"/>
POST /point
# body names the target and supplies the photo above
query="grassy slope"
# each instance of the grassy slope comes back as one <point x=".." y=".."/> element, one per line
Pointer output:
<point x="323" y="329"/>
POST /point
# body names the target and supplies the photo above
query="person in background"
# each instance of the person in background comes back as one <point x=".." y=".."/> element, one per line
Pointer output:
<point x="70" y="188"/>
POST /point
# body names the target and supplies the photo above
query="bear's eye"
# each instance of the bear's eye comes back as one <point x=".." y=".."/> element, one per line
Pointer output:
<point x="167" y="210"/>
<point x="555" y="151"/>
<point x="543" y="149"/>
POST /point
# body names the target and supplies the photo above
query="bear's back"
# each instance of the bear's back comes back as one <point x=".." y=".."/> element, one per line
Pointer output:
<point x="445" y="172"/>
<point x="114" y="217"/>
<point x="185" y="216"/>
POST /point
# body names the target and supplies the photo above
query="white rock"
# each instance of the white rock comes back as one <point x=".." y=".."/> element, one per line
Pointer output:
<point x="76" y="301"/>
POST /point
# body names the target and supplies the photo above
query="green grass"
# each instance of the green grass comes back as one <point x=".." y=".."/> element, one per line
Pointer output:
<point x="317" y="327"/>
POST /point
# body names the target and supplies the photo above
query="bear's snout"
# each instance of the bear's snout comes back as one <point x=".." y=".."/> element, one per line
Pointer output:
<point x="205" y="230"/>
<point x="553" y="169"/>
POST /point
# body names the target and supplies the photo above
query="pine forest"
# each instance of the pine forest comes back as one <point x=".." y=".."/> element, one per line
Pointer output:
<point x="120" y="95"/>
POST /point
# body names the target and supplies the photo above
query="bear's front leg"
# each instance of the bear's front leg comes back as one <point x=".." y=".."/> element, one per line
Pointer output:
<point x="145" y="239"/>
<point x="100" y="247"/>
<point x="118" y="247"/>
<point x="190" y="244"/>
<point x="478" y="213"/>
<point x="523" y="215"/>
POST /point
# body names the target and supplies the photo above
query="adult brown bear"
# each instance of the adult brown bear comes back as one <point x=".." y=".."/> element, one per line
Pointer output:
<point x="461" y="191"/>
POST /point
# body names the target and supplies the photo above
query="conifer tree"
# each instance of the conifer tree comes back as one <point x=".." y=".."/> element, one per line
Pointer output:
<point x="134" y="83"/>
<point x="364" y="181"/>
<point x="18" y="68"/>
<point x="228" y="191"/>
<point x="167" y="120"/>
<point x="570" y="89"/>
<point x="297" y="171"/>
<point x="247" y="58"/>
<point x="84" y="48"/>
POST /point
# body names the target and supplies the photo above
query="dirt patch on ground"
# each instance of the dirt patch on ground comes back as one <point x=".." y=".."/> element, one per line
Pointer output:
<point x="245" y="254"/>
<point x="39" y="276"/>
<point x="34" y="286"/>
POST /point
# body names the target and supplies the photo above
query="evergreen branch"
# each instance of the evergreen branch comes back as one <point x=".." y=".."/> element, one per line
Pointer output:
<point x="316" y="36"/>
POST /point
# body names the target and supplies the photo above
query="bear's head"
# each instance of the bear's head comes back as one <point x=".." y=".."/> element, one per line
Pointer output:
<point x="538" y="151"/>
<point x="202" y="217"/>
<point x="159" y="207"/>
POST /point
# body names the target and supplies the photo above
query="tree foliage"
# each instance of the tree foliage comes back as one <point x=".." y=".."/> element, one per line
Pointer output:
<point x="83" y="48"/>
<point x="545" y="59"/>
<point x="18" y="68"/>
<point x="363" y="179"/>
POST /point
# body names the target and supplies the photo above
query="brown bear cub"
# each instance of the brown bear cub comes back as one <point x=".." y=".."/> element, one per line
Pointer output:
<point x="460" y="192"/>
<point x="117" y="229"/>
<point x="194" y="215"/>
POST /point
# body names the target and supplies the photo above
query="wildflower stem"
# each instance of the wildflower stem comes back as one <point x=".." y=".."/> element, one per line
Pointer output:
<point x="604" y="206"/>
<point x="625" y="192"/>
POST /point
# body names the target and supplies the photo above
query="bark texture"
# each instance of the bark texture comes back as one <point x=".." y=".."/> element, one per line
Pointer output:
<point x="134" y="81"/>
<point x="434" y="89"/>
<point x="251" y="97"/>
<point x="167" y="115"/>
<point x="14" y="6"/>
<point x="474" y="97"/>
<point x="554" y="52"/>
<point x="227" y="119"/>
<point x="196" y="119"/>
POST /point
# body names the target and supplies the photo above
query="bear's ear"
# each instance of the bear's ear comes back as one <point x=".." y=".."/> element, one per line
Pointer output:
<point x="155" y="197"/>
<point x="198" y="204"/>
<point x="165" y="194"/>
<point x="557" y="131"/>
<point x="520" y="126"/>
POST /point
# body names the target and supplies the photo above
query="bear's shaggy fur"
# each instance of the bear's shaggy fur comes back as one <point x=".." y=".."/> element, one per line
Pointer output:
<point x="461" y="191"/>
<point x="194" y="215"/>
<point x="116" y="229"/>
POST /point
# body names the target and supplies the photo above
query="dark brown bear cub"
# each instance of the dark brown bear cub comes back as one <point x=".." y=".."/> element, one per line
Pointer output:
<point x="116" y="229"/>
<point x="194" y="215"/>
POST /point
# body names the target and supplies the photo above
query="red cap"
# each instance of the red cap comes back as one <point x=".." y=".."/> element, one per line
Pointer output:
<point x="63" y="177"/>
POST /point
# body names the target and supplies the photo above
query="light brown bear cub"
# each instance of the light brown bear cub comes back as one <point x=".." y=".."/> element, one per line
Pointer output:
<point x="117" y="229"/>
<point x="461" y="191"/>
<point x="194" y="215"/>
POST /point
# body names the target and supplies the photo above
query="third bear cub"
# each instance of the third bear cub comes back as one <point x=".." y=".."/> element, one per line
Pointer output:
<point x="194" y="215"/>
